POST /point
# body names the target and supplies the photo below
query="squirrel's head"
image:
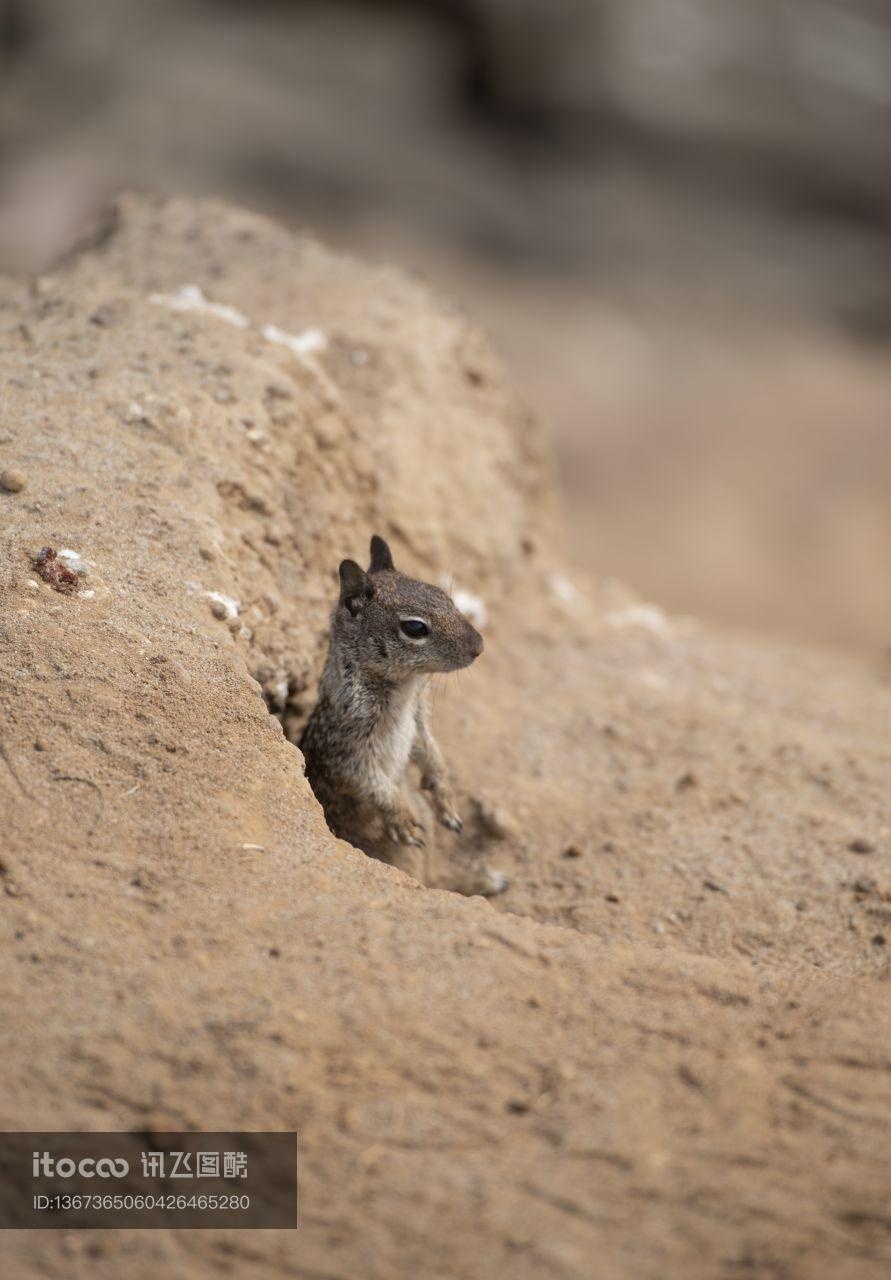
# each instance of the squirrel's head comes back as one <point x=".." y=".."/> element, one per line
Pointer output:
<point x="395" y="626"/>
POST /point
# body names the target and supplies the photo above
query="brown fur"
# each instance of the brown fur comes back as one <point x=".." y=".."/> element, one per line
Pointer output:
<point x="372" y="715"/>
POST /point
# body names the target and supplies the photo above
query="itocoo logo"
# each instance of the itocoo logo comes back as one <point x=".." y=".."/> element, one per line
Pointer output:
<point x="43" y="1165"/>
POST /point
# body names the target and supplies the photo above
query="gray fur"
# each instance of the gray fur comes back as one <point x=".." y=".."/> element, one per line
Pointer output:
<point x="372" y="716"/>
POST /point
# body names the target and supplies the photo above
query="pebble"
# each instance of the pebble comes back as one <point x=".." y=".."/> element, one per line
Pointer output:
<point x="180" y="673"/>
<point x="105" y="315"/>
<point x="861" y="846"/>
<point x="12" y="480"/>
<point x="328" y="430"/>
<point x="219" y="610"/>
<point x="494" y="821"/>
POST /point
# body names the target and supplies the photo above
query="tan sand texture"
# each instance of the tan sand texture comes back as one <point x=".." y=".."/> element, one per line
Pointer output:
<point x="664" y="1052"/>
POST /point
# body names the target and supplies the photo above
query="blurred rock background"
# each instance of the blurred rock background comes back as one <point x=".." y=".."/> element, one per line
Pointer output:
<point x="673" y="215"/>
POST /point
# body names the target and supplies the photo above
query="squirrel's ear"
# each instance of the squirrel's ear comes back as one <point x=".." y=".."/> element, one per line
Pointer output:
<point x="355" y="589"/>
<point x="381" y="558"/>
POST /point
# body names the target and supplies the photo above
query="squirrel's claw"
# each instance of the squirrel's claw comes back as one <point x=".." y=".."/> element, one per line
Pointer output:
<point x="443" y="805"/>
<point x="406" y="831"/>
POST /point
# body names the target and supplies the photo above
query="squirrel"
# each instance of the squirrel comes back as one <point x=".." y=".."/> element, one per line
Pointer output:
<point x="389" y="634"/>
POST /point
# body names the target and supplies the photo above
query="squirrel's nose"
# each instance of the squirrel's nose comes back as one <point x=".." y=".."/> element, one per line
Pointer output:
<point x="476" y="644"/>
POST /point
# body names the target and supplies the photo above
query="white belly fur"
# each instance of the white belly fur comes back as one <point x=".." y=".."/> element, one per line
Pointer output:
<point x="394" y="736"/>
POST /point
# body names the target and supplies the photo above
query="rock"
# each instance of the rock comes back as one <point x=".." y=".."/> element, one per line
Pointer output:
<point x="494" y="822"/>
<point x="12" y="480"/>
<point x="49" y="565"/>
<point x="494" y="882"/>
<point x="328" y="430"/>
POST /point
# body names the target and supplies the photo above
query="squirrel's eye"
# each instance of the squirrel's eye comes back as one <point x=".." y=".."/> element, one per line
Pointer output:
<point x="414" y="628"/>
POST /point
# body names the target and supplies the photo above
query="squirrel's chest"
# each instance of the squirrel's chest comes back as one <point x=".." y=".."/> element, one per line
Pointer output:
<point x="393" y="736"/>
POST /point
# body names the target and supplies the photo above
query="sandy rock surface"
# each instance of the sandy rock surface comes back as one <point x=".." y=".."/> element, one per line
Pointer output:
<point x="663" y="1052"/>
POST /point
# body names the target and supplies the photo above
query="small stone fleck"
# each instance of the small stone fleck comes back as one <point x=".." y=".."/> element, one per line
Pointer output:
<point x="12" y="480"/>
<point x="494" y="823"/>
<point x="328" y="430"/>
<point x="53" y="571"/>
<point x="861" y="846"/>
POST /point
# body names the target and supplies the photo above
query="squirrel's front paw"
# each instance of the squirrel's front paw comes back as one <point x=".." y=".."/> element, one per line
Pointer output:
<point x="404" y="828"/>
<point x="444" y="808"/>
